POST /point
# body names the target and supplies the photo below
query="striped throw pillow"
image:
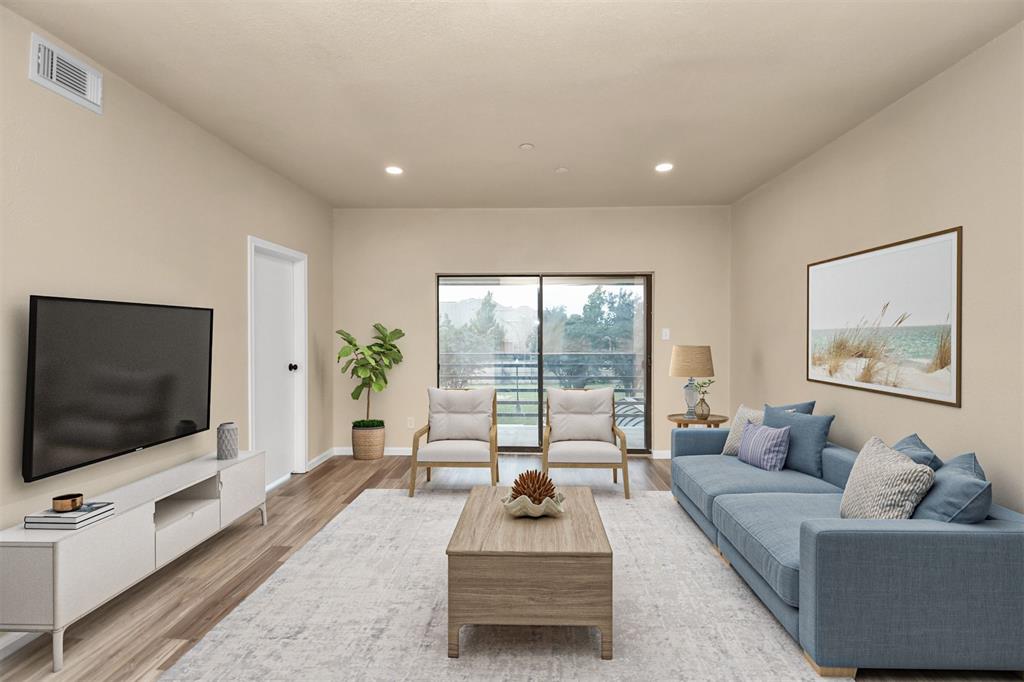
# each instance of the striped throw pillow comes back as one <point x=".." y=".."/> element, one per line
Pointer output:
<point x="764" y="447"/>
<point x="884" y="484"/>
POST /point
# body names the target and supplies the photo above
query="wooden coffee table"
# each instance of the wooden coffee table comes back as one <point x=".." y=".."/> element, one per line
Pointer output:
<point x="522" y="571"/>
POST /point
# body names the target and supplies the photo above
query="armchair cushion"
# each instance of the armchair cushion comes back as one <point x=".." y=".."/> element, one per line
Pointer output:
<point x="454" y="451"/>
<point x="460" y="415"/>
<point x="581" y="415"/>
<point x="584" y="451"/>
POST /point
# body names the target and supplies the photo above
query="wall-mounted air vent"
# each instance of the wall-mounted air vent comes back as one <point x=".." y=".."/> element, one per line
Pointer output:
<point x="56" y="70"/>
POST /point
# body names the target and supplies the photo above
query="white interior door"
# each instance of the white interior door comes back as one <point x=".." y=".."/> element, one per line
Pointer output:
<point x="275" y="366"/>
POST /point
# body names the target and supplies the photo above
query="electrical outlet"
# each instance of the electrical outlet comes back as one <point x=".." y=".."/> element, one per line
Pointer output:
<point x="665" y="333"/>
<point x="410" y="422"/>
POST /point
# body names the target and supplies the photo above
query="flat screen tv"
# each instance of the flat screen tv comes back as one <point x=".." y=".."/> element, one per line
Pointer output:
<point x="106" y="378"/>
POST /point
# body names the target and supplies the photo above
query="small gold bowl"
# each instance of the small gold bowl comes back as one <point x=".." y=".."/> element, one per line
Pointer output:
<point x="68" y="503"/>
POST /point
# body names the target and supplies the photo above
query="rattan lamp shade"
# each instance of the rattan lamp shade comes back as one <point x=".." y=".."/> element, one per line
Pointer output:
<point x="691" y="361"/>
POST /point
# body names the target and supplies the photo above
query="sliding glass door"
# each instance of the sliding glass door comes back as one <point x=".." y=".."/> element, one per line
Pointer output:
<point x="595" y="336"/>
<point x="524" y="333"/>
<point x="487" y="336"/>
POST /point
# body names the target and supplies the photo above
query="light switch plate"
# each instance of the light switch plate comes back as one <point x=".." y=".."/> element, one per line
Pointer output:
<point x="665" y="333"/>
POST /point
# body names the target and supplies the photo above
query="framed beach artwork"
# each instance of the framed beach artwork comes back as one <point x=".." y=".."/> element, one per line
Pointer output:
<point x="887" y="319"/>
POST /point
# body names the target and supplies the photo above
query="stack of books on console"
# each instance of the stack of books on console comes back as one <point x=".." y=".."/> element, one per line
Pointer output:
<point x="85" y="515"/>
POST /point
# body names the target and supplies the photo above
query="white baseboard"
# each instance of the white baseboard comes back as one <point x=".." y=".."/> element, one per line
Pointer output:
<point x="321" y="458"/>
<point x="347" y="450"/>
<point x="13" y="641"/>
<point x="661" y="454"/>
<point x="280" y="481"/>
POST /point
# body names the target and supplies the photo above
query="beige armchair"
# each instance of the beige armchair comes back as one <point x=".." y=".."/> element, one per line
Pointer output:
<point x="462" y="431"/>
<point x="581" y="433"/>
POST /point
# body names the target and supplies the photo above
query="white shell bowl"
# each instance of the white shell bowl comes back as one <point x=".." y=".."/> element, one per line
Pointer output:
<point x="524" y="506"/>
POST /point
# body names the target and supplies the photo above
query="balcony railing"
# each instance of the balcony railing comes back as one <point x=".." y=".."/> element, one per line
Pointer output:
<point x="514" y="377"/>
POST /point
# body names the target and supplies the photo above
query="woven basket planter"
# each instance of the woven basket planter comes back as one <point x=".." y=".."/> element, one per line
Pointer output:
<point x="367" y="443"/>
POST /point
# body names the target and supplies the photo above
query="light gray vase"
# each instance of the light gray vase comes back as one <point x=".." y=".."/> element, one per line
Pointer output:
<point x="227" y="441"/>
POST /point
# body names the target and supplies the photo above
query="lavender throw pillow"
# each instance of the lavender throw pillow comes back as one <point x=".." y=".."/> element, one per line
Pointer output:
<point x="764" y="447"/>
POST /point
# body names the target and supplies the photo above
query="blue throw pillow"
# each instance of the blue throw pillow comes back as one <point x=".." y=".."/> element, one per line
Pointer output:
<point x="764" y="447"/>
<point x="807" y="437"/>
<point x="960" y="493"/>
<point x="802" y="408"/>
<point x="913" y="447"/>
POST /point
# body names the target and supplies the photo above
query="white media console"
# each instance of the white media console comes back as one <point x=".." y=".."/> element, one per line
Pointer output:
<point x="51" y="578"/>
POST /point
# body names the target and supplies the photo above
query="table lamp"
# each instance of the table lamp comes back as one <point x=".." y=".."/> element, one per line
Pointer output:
<point x="691" y="361"/>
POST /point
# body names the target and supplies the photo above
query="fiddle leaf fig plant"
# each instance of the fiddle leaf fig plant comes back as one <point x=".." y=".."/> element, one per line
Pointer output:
<point x="369" y="364"/>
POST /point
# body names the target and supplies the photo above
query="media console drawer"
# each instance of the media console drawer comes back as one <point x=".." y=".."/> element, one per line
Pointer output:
<point x="102" y="560"/>
<point x="183" y="526"/>
<point x="242" y="488"/>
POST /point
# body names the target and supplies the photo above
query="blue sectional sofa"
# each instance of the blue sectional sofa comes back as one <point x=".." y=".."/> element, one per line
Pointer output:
<point x="858" y="593"/>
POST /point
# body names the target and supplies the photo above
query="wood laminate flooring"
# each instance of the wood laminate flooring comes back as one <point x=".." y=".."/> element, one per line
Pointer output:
<point x="145" y="630"/>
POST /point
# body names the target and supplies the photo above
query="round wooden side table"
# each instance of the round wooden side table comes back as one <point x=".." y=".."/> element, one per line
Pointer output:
<point x="711" y="422"/>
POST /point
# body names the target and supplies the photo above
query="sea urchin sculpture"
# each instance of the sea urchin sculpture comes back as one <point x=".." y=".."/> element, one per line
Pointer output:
<point x="533" y="484"/>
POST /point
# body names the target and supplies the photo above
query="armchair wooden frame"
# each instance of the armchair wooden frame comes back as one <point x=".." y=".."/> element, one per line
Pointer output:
<point x="415" y="464"/>
<point x="616" y="433"/>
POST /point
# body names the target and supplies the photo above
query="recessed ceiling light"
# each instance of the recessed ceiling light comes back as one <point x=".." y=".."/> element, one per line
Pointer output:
<point x="526" y="146"/>
<point x="664" y="167"/>
<point x="561" y="169"/>
<point x="393" y="170"/>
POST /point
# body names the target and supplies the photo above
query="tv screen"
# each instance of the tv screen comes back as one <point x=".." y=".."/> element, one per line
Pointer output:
<point x="106" y="378"/>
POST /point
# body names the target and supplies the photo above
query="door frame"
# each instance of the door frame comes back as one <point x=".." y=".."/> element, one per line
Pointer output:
<point x="648" y="277"/>
<point x="299" y="260"/>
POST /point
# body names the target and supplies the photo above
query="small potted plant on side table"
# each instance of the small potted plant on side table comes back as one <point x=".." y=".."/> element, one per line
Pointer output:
<point x="369" y="365"/>
<point x="702" y="409"/>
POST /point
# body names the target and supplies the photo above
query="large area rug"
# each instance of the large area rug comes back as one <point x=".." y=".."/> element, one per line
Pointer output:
<point x="366" y="598"/>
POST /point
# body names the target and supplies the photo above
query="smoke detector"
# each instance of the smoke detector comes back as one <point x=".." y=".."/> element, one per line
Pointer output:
<point x="68" y="76"/>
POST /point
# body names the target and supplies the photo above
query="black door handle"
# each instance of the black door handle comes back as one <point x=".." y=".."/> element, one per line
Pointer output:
<point x="292" y="367"/>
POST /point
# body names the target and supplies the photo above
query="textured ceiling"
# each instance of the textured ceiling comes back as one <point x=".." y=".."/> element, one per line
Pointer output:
<point x="328" y="93"/>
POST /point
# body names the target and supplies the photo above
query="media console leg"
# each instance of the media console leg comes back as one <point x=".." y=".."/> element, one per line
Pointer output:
<point x="58" y="650"/>
<point x="263" y="514"/>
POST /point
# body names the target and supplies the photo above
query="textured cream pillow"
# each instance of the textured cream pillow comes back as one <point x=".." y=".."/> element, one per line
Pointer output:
<point x="581" y="415"/>
<point x="460" y="415"/>
<point x="884" y="484"/>
<point x="744" y="414"/>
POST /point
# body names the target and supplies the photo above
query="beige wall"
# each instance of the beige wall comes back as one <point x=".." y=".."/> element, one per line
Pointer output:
<point x="137" y="204"/>
<point x="386" y="260"/>
<point x="949" y="153"/>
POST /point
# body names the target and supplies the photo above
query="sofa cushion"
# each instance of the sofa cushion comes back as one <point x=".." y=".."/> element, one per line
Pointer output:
<point x="808" y="435"/>
<point x="884" y="484"/>
<point x="836" y="464"/>
<point x="764" y="447"/>
<point x="460" y="415"/>
<point x="704" y="477"/>
<point x="744" y="415"/>
<point x="581" y="415"/>
<point x="802" y="408"/>
<point x="913" y="447"/>
<point x="765" y="529"/>
<point x="960" y="493"/>
<point x="586" y="451"/>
